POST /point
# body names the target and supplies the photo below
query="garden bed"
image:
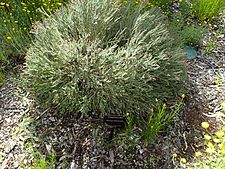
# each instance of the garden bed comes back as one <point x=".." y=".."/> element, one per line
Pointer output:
<point x="30" y="133"/>
<point x="82" y="144"/>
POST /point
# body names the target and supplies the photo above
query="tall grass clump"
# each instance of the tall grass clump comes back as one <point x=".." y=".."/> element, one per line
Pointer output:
<point x="17" y="17"/>
<point x="207" y="9"/>
<point x="104" y="57"/>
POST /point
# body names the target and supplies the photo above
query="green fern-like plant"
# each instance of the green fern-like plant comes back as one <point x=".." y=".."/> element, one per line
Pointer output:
<point x="104" y="57"/>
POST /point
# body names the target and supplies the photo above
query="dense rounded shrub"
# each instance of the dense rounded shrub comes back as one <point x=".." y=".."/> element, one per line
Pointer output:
<point x="104" y="57"/>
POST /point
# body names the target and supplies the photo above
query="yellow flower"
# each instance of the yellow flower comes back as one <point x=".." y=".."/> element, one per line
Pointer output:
<point x="205" y="125"/>
<point x="222" y="105"/>
<point x="183" y="160"/>
<point x="9" y="38"/>
<point x="210" y="145"/>
<point x="219" y="134"/>
<point x="207" y="137"/>
<point x="183" y="96"/>
<point x="210" y="150"/>
<point x="221" y="146"/>
<point x="174" y="155"/>
<point x="63" y="151"/>
<point x="216" y="140"/>
<point x="223" y="128"/>
<point x="222" y="152"/>
<point x="2" y="3"/>
<point x="198" y="154"/>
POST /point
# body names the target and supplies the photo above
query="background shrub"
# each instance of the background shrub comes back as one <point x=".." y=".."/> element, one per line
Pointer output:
<point x="16" y="17"/>
<point x="163" y="4"/>
<point x="187" y="34"/>
<point x="98" y="55"/>
<point x="192" y="35"/>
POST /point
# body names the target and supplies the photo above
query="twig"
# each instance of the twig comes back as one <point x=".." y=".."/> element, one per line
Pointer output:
<point x="37" y="118"/>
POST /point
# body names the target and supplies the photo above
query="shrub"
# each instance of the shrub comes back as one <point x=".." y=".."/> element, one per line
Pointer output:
<point x="192" y="35"/>
<point x="41" y="162"/>
<point x="163" y="4"/>
<point x="207" y="9"/>
<point x="101" y="56"/>
<point x="187" y="33"/>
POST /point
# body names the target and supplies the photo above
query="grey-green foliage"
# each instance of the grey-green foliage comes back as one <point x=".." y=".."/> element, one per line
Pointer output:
<point x="101" y="56"/>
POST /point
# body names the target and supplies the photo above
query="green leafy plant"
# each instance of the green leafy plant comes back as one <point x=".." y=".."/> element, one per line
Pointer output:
<point x="207" y="9"/>
<point x="186" y="32"/>
<point x="192" y="35"/>
<point x="37" y="160"/>
<point x="210" y="45"/>
<point x="41" y="162"/>
<point x="219" y="81"/>
<point x="163" y="4"/>
<point x="186" y="9"/>
<point x="156" y="121"/>
<point x="130" y="123"/>
<point x="105" y="59"/>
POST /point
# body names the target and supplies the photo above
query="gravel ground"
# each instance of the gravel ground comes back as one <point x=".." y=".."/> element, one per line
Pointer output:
<point x="12" y="110"/>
